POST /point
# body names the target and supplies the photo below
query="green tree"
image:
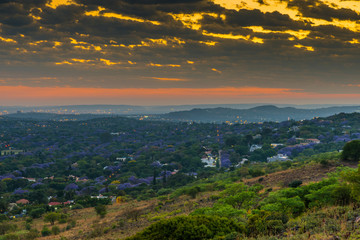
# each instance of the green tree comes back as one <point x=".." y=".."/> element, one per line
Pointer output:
<point x="351" y="151"/>
<point x="101" y="210"/>
<point x="352" y="177"/>
<point x="51" y="217"/>
<point x="37" y="212"/>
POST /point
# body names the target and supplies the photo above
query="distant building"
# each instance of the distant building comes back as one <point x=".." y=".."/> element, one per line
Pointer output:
<point x="255" y="147"/>
<point x="275" y="145"/>
<point x="54" y="203"/>
<point x="242" y="162"/>
<point x="279" y="157"/>
<point x="257" y="136"/>
<point x="312" y="140"/>
<point x="31" y="179"/>
<point x="209" y="161"/>
<point x="11" y="152"/>
<point x="22" y="201"/>
<point x="294" y="129"/>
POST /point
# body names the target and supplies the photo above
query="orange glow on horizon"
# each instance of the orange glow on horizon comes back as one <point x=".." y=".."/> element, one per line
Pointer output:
<point x="170" y="79"/>
<point x="149" y="96"/>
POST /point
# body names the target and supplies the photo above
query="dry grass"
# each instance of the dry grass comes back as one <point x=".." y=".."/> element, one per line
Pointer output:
<point x="309" y="173"/>
<point x="122" y="220"/>
<point x="126" y="219"/>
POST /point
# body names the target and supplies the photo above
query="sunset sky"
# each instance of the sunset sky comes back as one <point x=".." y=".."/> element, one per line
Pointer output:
<point x="163" y="52"/>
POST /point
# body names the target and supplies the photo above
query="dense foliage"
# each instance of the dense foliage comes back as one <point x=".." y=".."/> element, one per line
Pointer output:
<point x="351" y="151"/>
<point x="189" y="227"/>
<point x="79" y="164"/>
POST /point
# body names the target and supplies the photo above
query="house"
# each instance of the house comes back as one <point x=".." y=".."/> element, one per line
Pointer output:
<point x="31" y="179"/>
<point x="312" y="140"/>
<point x="255" y="147"/>
<point x="68" y="202"/>
<point x="275" y="145"/>
<point x="257" y="136"/>
<point x="54" y="203"/>
<point x="279" y="157"/>
<point x="192" y="174"/>
<point x="123" y="159"/>
<point x="11" y="152"/>
<point x="23" y="201"/>
<point x="100" y="196"/>
<point x="81" y="179"/>
<point x="294" y="129"/>
<point x="209" y="161"/>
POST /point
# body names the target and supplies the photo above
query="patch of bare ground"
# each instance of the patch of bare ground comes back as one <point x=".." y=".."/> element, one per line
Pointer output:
<point x="313" y="172"/>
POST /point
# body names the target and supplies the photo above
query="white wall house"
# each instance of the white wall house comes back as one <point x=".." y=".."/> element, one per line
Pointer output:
<point x="279" y="157"/>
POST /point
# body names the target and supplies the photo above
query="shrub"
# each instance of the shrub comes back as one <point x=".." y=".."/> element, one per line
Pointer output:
<point x="6" y="227"/>
<point x="164" y="191"/>
<point x="275" y="226"/>
<point x="101" y="210"/>
<point x="32" y="234"/>
<point x="324" y="162"/>
<point x="45" y="231"/>
<point x="11" y="236"/>
<point x="192" y="192"/>
<point x="63" y="218"/>
<point x="55" y="230"/>
<point x="295" y="183"/>
<point x="190" y="228"/>
<point x="3" y="218"/>
<point x="28" y="226"/>
<point x="77" y="206"/>
<point x="133" y="213"/>
<point x="37" y="212"/>
<point x="71" y="224"/>
<point x="97" y="232"/>
<point x="342" y="194"/>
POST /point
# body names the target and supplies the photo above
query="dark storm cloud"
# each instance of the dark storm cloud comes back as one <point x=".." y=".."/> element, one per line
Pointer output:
<point x="62" y="14"/>
<point x="330" y="31"/>
<point x="151" y="2"/>
<point x="318" y="9"/>
<point x="255" y="17"/>
<point x="14" y="14"/>
<point x="246" y="18"/>
<point x="154" y="10"/>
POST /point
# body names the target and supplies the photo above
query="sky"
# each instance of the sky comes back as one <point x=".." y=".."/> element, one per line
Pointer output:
<point x="173" y="52"/>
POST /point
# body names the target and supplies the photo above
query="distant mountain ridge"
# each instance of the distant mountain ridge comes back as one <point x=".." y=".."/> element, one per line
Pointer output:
<point x="138" y="110"/>
<point x="264" y="113"/>
<point x="255" y="114"/>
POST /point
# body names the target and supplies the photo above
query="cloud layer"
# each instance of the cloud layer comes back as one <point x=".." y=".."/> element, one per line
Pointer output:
<point x="286" y="44"/>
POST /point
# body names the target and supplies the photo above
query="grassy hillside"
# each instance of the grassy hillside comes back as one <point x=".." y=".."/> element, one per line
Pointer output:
<point x="321" y="204"/>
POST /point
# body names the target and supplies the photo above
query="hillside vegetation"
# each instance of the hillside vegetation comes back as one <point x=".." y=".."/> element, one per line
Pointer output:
<point x="119" y="178"/>
<point x="225" y="206"/>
